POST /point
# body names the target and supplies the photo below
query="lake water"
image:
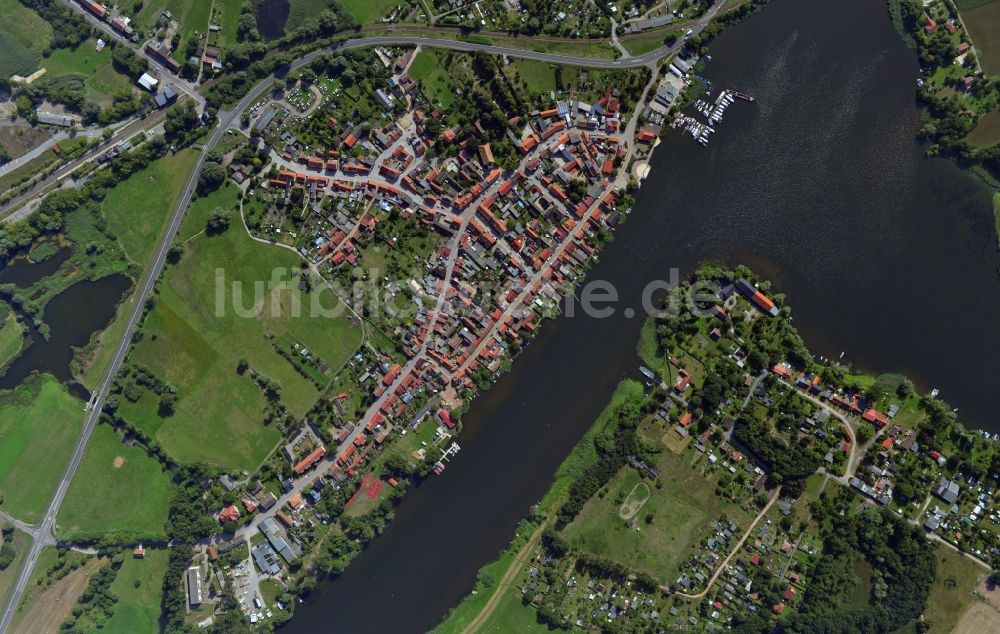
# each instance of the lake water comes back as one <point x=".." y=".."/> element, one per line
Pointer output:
<point x="22" y="272"/>
<point x="271" y="18"/>
<point x="73" y="316"/>
<point x="819" y="186"/>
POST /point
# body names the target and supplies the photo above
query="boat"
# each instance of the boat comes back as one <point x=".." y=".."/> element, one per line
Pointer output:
<point x="649" y="374"/>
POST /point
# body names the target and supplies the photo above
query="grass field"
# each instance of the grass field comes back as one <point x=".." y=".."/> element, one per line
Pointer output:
<point x="15" y="58"/>
<point x="101" y="358"/>
<point x="465" y="612"/>
<point x="137" y="208"/>
<point x="951" y="592"/>
<point x="965" y="5"/>
<point x="227" y="16"/>
<point x="513" y="616"/>
<point x="191" y="345"/>
<point x="537" y="76"/>
<point x="191" y="15"/>
<point x="996" y="215"/>
<point x="584" y="453"/>
<point x="39" y="425"/>
<point x="983" y="23"/>
<point x="8" y="577"/>
<point x="642" y="45"/>
<point x="584" y="48"/>
<point x="44" y="607"/>
<point x="25" y="25"/>
<point x="987" y="130"/>
<point x="118" y="488"/>
<point x="142" y="413"/>
<point x="301" y="10"/>
<point x="366" y="11"/>
<point x="138" y="608"/>
<point x="681" y="511"/>
<point x="11" y="336"/>
<point x="151" y="10"/>
<point x="427" y="69"/>
<point x="101" y="80"/>
<point x="17" y="140"/>
<point x="270" y="590"/>
<point x="648" y="348"/>
<point x="137" y="217"/>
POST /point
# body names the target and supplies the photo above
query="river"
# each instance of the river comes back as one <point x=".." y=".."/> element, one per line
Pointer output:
<point x="820" y="187"/>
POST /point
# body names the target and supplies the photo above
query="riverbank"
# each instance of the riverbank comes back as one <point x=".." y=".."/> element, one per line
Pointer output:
<point x="996" y="215"/>
<point x="523" y="598"/>
<point x="90" y="236"/>
<point x="867" y="243"/>
<point x="471" y="609"/>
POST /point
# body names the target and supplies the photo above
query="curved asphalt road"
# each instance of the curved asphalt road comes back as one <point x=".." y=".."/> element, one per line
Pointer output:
<point x="43" y="532"/>
<point x="459" y="45"/>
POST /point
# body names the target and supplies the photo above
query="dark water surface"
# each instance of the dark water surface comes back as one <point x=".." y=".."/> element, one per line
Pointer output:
<point x="22" y="272"/>
<point x="820" y="187"/>
<point x="72" y="316"/>
<point x="271" y="18"/>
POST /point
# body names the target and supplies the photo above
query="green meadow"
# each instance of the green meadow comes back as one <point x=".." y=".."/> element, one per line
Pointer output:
<point x="11" y="335"/>
<point x="139" y="588"/>
<point x="192" y="345"/>
<point x="137" y="208"/>
<point x="39" y="426"/>
<point x="117" y="489"/>
<point x="101" y="79"/>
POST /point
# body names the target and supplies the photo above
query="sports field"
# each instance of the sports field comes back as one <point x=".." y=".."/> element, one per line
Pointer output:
<point x="979" y="618"/>
<point x="983" y="22"/>
<point x="192" y="345"/>
<point x="39" y="426"/>
<point x="117" y="489"/>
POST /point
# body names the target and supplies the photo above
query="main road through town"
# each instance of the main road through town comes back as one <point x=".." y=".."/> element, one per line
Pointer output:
<point x="43" y="532"/>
